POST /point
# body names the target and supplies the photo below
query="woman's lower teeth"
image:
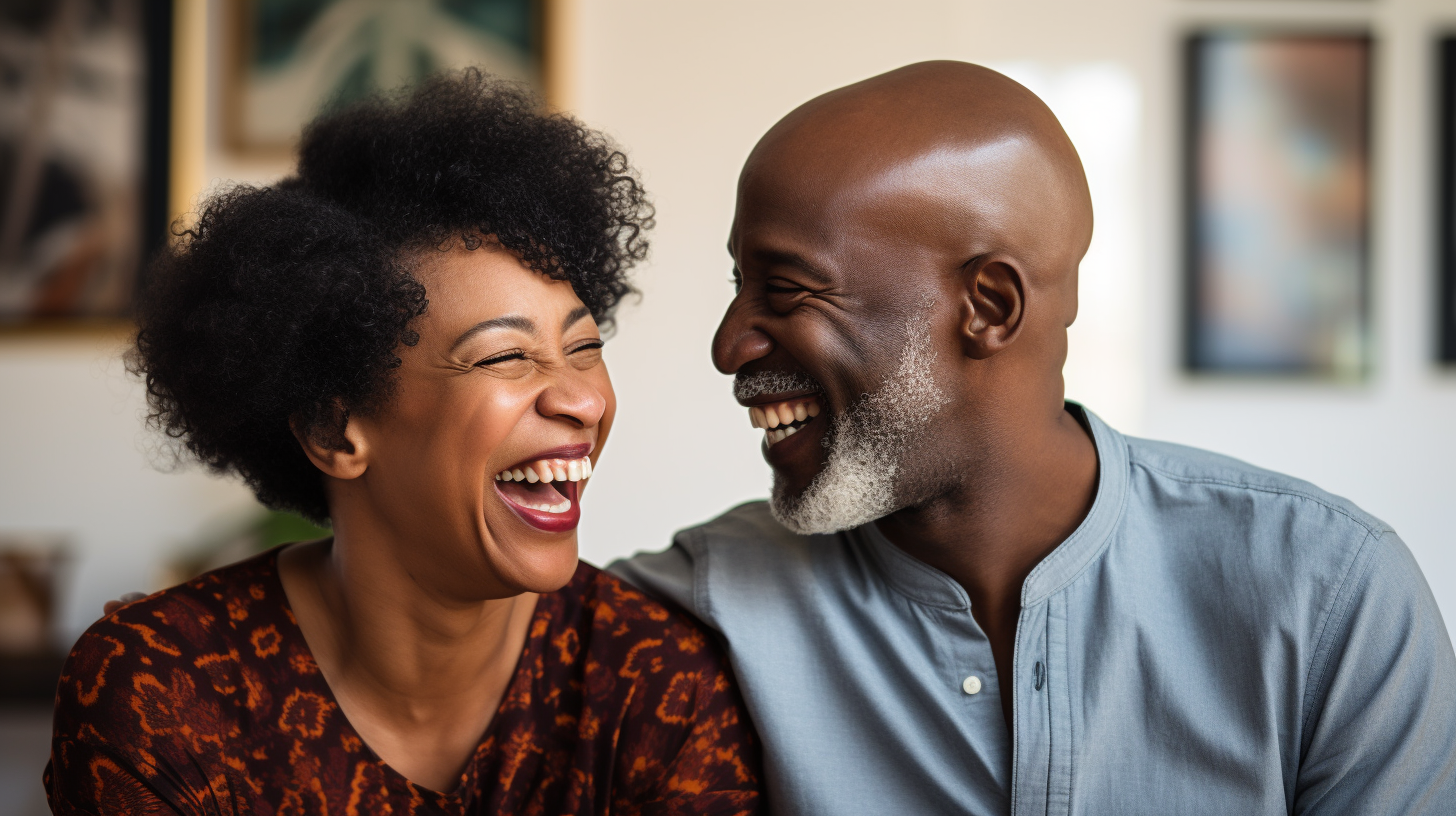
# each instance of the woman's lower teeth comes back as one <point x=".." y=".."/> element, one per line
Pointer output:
<point x="560" y="507"/>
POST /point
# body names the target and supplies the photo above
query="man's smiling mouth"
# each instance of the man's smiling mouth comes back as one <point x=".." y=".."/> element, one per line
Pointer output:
<point x="781" y="420"/>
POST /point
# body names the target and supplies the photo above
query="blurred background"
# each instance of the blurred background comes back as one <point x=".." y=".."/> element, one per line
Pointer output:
<point x="1270" y="275"/>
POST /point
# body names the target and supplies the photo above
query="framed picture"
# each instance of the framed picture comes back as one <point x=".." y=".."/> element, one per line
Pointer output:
<point x="1446" y="227"/>
<point x="293" y="59"/>
<point x="1278" y="200"/>
<point x="84" y="127"/>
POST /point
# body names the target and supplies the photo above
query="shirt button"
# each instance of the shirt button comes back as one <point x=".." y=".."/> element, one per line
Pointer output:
<point x="972" y="685"/>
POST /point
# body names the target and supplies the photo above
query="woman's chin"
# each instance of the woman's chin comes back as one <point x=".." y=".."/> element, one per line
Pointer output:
<point x="545" y="570"/>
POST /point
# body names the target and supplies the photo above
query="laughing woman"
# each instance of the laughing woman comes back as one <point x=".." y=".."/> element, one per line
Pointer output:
<point x="403" y="339"/>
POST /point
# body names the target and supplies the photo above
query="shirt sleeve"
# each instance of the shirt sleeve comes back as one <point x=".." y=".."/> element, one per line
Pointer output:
<point x="121" y="721"/>
<point x="666" y="575"/>
<point x="1380" y="715"/>
<point x="81" y="779"/>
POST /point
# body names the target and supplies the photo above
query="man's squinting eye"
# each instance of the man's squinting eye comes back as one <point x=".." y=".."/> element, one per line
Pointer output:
<point x="779" y="286"/>
<point x="736" y="280"/>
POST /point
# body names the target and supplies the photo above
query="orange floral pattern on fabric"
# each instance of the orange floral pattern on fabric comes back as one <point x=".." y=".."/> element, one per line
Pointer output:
<point x="204" y="699"/>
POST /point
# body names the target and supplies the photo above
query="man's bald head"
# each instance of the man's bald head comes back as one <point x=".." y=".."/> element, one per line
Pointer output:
<point x="966" y="149"/>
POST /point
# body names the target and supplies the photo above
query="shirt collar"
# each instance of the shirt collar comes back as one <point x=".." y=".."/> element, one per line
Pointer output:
<point x="927" y="585"/>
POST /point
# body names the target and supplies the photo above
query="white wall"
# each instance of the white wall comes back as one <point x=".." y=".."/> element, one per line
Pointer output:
<point x="689" y="87"/>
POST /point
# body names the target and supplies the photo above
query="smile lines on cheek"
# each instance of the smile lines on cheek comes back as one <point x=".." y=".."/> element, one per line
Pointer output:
<point x="549" y="470"/>
<point x="782" y="420"/>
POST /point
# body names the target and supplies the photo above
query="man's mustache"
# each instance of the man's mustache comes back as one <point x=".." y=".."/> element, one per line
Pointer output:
<point x="748" y="386"/>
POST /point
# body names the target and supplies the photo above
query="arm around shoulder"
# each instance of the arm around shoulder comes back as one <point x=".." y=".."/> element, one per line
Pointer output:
<point x="1380" y="710"/>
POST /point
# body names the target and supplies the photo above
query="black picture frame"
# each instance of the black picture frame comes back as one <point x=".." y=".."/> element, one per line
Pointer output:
<point x="1200" y="353"/>
<point x="1445" y="231"/>
<point x="145" y="204"/>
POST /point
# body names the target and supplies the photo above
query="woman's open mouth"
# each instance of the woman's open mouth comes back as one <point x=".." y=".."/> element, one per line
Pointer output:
<point x="544" y="492"/>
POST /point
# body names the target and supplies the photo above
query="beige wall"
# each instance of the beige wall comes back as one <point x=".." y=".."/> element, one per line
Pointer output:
<point x="688" y="87"/>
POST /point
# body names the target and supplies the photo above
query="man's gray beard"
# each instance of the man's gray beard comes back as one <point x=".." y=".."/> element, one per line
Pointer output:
<point x="867" y="444"/>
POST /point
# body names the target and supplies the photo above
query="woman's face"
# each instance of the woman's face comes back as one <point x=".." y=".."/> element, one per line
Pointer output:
<point x="504" y="394"/>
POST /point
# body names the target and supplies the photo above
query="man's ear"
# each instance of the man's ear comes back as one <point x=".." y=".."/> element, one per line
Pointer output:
<point x="340" y="451"/>
<point x="992" y="306"/>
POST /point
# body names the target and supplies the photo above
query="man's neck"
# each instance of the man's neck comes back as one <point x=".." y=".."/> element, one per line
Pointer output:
<point x="997" y="524"/>
<point x="989" y="532"/>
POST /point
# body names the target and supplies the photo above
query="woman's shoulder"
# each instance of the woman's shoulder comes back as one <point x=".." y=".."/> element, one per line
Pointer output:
<point x="616" y="613"/>
<point x="187" y="642"/>
<point x="650" y="677"/>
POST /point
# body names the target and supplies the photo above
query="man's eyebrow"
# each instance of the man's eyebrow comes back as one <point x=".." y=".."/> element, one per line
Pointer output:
<point x="576" y="314"/>
<point x="779" y="257"/>
<point x="516" y="322"/>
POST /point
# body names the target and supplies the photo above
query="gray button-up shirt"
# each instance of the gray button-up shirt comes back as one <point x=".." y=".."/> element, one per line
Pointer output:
<point x="1213" y="638"/>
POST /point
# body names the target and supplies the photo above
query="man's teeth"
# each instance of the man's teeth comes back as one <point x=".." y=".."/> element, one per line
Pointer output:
<point x="549" y="470"/>
<point x="778" y="419"/>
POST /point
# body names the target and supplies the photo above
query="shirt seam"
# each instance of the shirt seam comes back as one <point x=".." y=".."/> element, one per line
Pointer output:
<point x="1061" y="553"/>
<point x="1319" y="662"/>
<point x="1283" y="491"/>
<point x="908" y="560"/>
<point x="700" y="554"/>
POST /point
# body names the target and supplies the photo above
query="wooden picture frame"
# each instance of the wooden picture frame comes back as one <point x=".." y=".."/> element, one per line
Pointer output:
<point x="1277" y="207"/>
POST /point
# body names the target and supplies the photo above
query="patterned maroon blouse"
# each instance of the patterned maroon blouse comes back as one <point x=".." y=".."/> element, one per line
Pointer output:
<point x="204" y="698"/>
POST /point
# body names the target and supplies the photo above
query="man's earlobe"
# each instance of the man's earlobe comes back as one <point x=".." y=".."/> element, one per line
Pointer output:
<point x="338" y="448"/>
<point x="993" y="305"/>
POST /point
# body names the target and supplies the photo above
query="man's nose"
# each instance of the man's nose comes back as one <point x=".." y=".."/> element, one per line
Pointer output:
<point x="739" y="341"/>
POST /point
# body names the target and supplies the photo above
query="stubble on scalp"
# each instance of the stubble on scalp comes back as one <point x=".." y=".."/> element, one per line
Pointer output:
<point x="867" y="444"/>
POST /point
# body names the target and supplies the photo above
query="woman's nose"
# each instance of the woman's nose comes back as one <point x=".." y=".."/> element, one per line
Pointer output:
<point x="738" y="341"/>
<point x="573" y="395"/>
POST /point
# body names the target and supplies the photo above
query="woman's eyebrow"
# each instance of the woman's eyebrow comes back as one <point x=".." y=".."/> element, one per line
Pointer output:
<point x="576" y="314"/>
<point x="516" y="322"/>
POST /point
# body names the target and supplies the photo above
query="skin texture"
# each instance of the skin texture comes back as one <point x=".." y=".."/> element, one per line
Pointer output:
<point x="942" y="189"/>
<point x="418" y="608"/>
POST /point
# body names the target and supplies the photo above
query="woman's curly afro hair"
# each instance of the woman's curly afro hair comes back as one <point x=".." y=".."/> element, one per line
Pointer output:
<point x="283" y="306"/>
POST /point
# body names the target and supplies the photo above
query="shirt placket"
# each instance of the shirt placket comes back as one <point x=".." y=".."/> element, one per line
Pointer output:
<point x="1041" y="765"/>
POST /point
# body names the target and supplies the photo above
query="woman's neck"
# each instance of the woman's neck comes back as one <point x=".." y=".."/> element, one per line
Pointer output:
<point x="417" y="674"/>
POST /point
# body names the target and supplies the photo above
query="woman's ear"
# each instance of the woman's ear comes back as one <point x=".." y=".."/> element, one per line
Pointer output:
<point x="342" y="453"/>
<point x="992" y="306"/>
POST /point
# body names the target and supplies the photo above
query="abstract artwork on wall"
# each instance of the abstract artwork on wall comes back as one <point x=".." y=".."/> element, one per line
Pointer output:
<point x="1446" y="226"/>
<point x="1277" y="207"/>
<point x="294" y="58"/>
<point x="84" y="123"/>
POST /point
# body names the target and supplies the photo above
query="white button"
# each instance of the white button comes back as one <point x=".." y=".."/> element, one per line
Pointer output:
<point x="972" y="685"/>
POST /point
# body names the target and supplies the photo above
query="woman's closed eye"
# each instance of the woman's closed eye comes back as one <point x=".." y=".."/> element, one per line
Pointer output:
<point x="511" y="364"/>
<point x="586" y="353"/>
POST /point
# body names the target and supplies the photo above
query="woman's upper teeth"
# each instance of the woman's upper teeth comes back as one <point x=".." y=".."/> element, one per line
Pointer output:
<point x="549" y="470"/>
<point x="783" y="413"/>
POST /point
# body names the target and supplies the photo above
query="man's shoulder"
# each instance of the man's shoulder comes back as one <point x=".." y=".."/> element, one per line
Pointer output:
<point x="748" y="525"/>
<point x="744" y="558"/>
<point x="1191" y="474"/>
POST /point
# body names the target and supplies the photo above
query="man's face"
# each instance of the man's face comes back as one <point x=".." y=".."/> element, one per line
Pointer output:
<point x="831" y="338"/>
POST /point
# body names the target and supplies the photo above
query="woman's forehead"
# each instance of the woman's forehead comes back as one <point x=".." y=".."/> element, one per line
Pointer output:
<point x="468" y="286"/>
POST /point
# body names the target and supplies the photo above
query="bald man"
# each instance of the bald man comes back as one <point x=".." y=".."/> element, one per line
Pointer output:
<point x="969" y="596"/>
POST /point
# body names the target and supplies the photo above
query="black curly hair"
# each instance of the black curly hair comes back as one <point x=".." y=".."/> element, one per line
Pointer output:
<point x="282" y="307"/>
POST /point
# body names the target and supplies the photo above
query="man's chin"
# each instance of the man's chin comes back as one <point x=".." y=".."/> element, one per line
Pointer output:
<point x="830" y="503"/>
